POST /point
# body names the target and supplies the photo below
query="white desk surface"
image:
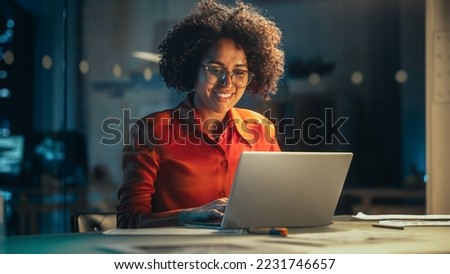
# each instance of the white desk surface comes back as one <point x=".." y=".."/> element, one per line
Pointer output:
<point x="343" y="236"/>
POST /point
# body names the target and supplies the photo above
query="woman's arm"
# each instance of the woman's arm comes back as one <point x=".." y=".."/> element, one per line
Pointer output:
<point x="140" y="165"/>
<point x="210" y="211"/>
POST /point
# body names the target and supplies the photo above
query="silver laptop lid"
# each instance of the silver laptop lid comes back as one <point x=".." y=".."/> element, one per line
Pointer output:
<point x="286" y="189"/>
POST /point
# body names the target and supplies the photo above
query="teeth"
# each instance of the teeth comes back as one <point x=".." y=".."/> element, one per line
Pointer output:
<point x="223" y="95"/>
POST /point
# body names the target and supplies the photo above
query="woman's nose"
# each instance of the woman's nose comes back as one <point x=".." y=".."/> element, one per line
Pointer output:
<point x="226" y="80"/>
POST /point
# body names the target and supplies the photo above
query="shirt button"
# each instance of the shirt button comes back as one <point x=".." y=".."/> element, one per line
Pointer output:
<point x="223" y="163"/>
<point x="221" y="194"/>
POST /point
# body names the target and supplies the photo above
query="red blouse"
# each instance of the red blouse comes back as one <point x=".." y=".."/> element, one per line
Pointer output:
<point x="169" y="164"/>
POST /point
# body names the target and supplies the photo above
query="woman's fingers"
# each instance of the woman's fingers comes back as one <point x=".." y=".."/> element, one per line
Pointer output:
<point x="212" y="210"/>
<point x="220" y="201"/>
<point x="215" y="214"/>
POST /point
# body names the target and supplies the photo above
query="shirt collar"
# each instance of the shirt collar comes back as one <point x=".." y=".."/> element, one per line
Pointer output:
<point x="185" y="113"/>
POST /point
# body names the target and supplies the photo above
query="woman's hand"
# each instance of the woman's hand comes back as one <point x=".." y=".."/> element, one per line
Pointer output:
<point x="210" y="211"/>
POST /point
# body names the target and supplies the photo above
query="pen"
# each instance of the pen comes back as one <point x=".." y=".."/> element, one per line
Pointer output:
<point x="280" y="231"/>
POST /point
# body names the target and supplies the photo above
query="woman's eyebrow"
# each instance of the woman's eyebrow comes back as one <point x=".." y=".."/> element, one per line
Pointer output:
<point x="215" y="62"/>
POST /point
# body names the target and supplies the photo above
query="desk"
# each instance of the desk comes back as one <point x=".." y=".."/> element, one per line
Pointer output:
<point x="419" y="240"/>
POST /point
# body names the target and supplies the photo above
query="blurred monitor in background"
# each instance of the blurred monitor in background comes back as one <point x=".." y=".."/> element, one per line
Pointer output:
<point x="61" y="155"/>
<point x="11" y="156"/>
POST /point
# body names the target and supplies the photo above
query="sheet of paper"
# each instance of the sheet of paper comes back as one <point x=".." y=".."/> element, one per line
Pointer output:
<point x="353" y="236"/>
<point x="362" y="216"/>
<point x="193" y="248"/>
<point x="170" y="231"/>
<point x="405" y="223"/>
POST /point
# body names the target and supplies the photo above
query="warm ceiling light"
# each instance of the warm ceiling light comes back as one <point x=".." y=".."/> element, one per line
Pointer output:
<point x="148" y="56"/>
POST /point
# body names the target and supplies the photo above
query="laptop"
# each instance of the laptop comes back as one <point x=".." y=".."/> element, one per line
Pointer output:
<point x="285" y="189"/>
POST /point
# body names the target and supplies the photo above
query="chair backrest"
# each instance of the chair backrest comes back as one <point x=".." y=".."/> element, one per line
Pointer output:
<point x="94" y="221"/>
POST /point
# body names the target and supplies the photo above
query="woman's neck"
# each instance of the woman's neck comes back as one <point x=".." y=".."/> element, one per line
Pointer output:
<point x="211" y="122"/>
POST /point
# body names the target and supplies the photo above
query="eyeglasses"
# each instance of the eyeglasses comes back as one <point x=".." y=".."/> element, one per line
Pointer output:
<point x="239" y="78"/>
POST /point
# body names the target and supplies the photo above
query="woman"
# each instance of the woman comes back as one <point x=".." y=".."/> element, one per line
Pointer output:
<point x="180" y="163"/>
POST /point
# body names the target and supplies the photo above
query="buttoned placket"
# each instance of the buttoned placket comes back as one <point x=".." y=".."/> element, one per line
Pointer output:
<point x="223" y="166"/>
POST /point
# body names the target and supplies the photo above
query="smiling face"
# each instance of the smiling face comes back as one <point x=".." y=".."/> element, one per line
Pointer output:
<point x="214" y="100"/>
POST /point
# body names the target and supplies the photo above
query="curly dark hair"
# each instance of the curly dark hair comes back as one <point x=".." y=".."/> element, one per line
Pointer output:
<point x="186" y="43"/>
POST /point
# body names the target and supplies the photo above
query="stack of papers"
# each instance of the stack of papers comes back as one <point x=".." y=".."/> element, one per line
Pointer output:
<point x="402" y="224"/>
<point x="403" y="220"/>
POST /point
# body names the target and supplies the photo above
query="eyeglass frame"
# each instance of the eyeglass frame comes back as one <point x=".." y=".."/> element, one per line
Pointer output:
<point x="230" y="73"/>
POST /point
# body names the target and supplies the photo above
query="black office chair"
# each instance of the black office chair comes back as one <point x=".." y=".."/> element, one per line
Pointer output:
<point x="94" y="221"/>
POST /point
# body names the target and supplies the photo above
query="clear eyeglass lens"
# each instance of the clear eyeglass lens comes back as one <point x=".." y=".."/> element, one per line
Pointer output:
<point x="239" y="78"/>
